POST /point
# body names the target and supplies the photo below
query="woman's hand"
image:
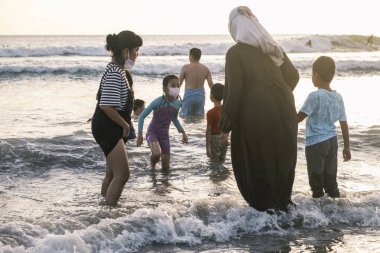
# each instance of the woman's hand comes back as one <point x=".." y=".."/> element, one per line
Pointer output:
<point x="224" y="139"/>
<point x="139" y="140"/>
<point x="126" y="130"/>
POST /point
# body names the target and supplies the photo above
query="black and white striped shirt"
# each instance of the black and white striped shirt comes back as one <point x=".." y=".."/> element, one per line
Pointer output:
<point x="114" y="87"/>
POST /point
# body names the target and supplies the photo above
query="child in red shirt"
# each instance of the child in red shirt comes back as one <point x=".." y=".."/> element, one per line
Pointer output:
<point x="214" y="149"/>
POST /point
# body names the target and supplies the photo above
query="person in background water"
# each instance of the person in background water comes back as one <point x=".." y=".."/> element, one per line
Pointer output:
<point x="138" y="107"/>
<point x="194" y="74"/>
<point x="165" y="110"/>
<point x="259" y="111"/>
<point x="323" y="108"/>
<point x="111" y="121"/>
<point x="214" y="149"/>
<point x="370" y="40"/>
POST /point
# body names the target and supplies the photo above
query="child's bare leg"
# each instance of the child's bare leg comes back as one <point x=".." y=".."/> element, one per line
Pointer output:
<point x="223" y="152"/>
<point x="214" y="148"/>
<point x="165" y="161"/>
<point x="156" y="153"/>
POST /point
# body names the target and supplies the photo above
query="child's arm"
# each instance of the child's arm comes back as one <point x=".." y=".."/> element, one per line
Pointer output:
<point x="178" y="125"/>
<point x="141" y="119"/>
<point x="208" y="137"/>
<point x="346" y="141"/>
<point x="301" y="116"/>
<point x="184" y="137"/>
<point x="209" y="120"/>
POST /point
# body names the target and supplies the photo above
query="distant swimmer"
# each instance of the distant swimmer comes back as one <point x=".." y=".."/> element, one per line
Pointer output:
<point x="308" y="43"/>
<point x="370" y="40"/>
<point x="194" y="74"/>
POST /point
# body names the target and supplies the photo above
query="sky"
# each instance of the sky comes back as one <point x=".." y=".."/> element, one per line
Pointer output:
<point x="161" y="17"/>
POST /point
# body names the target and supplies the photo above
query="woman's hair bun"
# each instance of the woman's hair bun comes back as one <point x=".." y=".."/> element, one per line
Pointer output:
<point x="111" y="41"/>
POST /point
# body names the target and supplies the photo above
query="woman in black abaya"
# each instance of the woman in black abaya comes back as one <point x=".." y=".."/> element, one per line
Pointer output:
<point x="259" y="111"/>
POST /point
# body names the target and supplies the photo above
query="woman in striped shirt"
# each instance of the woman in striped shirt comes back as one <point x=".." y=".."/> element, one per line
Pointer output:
<point x="112" y="117"/>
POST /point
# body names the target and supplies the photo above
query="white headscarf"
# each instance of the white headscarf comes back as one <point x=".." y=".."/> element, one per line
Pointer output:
<point x="244" y="27"/>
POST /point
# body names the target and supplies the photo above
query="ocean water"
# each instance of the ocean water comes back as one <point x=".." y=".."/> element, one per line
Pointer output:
<point x="51" y="169"/>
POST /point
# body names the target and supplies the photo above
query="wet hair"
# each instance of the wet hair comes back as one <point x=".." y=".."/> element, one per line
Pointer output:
<point x="167" y="79"/>
<point x="196" y="53"/>
<point x="124" y="39"/>
<point x="324" y="66"/>
<point x="217" y="91"/>
<point x="138" y="103"/>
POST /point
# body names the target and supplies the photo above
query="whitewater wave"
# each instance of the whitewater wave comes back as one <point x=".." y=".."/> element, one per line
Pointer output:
<point x="351" y="66"/>
<point x="319" y="43"/>
<point x="52" y="51"/>
<point x="328" y="43"/>
<point x="219" y="220"/>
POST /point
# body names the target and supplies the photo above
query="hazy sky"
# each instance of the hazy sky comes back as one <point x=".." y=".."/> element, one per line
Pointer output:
<point x="41" y="17"/>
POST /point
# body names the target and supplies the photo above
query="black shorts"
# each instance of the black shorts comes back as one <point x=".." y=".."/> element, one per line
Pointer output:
<point x="106" y="132"/>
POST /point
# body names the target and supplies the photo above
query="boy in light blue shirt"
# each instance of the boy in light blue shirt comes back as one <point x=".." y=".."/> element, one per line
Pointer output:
<point x="323" y="108"/>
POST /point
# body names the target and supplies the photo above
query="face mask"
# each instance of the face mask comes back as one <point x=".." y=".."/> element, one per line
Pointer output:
<point x="128" y="64"/>
<point x="173" y="92"/>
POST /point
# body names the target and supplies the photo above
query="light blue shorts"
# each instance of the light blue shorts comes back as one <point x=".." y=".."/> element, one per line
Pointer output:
<point x="193" y="102"/>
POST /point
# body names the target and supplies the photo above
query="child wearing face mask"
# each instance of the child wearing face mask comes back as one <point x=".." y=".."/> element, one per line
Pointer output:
<point x="165" y="110"/>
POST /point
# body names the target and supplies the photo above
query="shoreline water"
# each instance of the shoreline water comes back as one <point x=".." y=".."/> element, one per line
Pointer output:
<point x="51" y="169"/>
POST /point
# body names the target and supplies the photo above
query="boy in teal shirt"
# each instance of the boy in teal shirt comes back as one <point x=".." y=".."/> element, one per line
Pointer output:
<point x="323" y="108"/>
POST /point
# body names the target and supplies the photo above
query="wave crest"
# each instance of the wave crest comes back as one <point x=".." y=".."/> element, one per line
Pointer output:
<point x="180" y="46"/>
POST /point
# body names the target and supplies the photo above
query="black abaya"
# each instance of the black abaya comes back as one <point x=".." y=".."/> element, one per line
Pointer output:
<point x="259" y="110"/>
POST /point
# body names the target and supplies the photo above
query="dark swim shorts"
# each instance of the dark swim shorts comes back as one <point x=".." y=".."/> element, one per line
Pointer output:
<point x="106" y="132"/>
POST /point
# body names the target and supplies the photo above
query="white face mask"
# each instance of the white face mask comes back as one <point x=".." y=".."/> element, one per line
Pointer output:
<point x="173" y="92"/>
<point x="128" y="64"/>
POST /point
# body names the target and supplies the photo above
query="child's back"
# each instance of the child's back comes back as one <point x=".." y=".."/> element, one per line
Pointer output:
<point x="214" y="149"/>
<point x="213" y="116"/>
<point x="323" y="108"/>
